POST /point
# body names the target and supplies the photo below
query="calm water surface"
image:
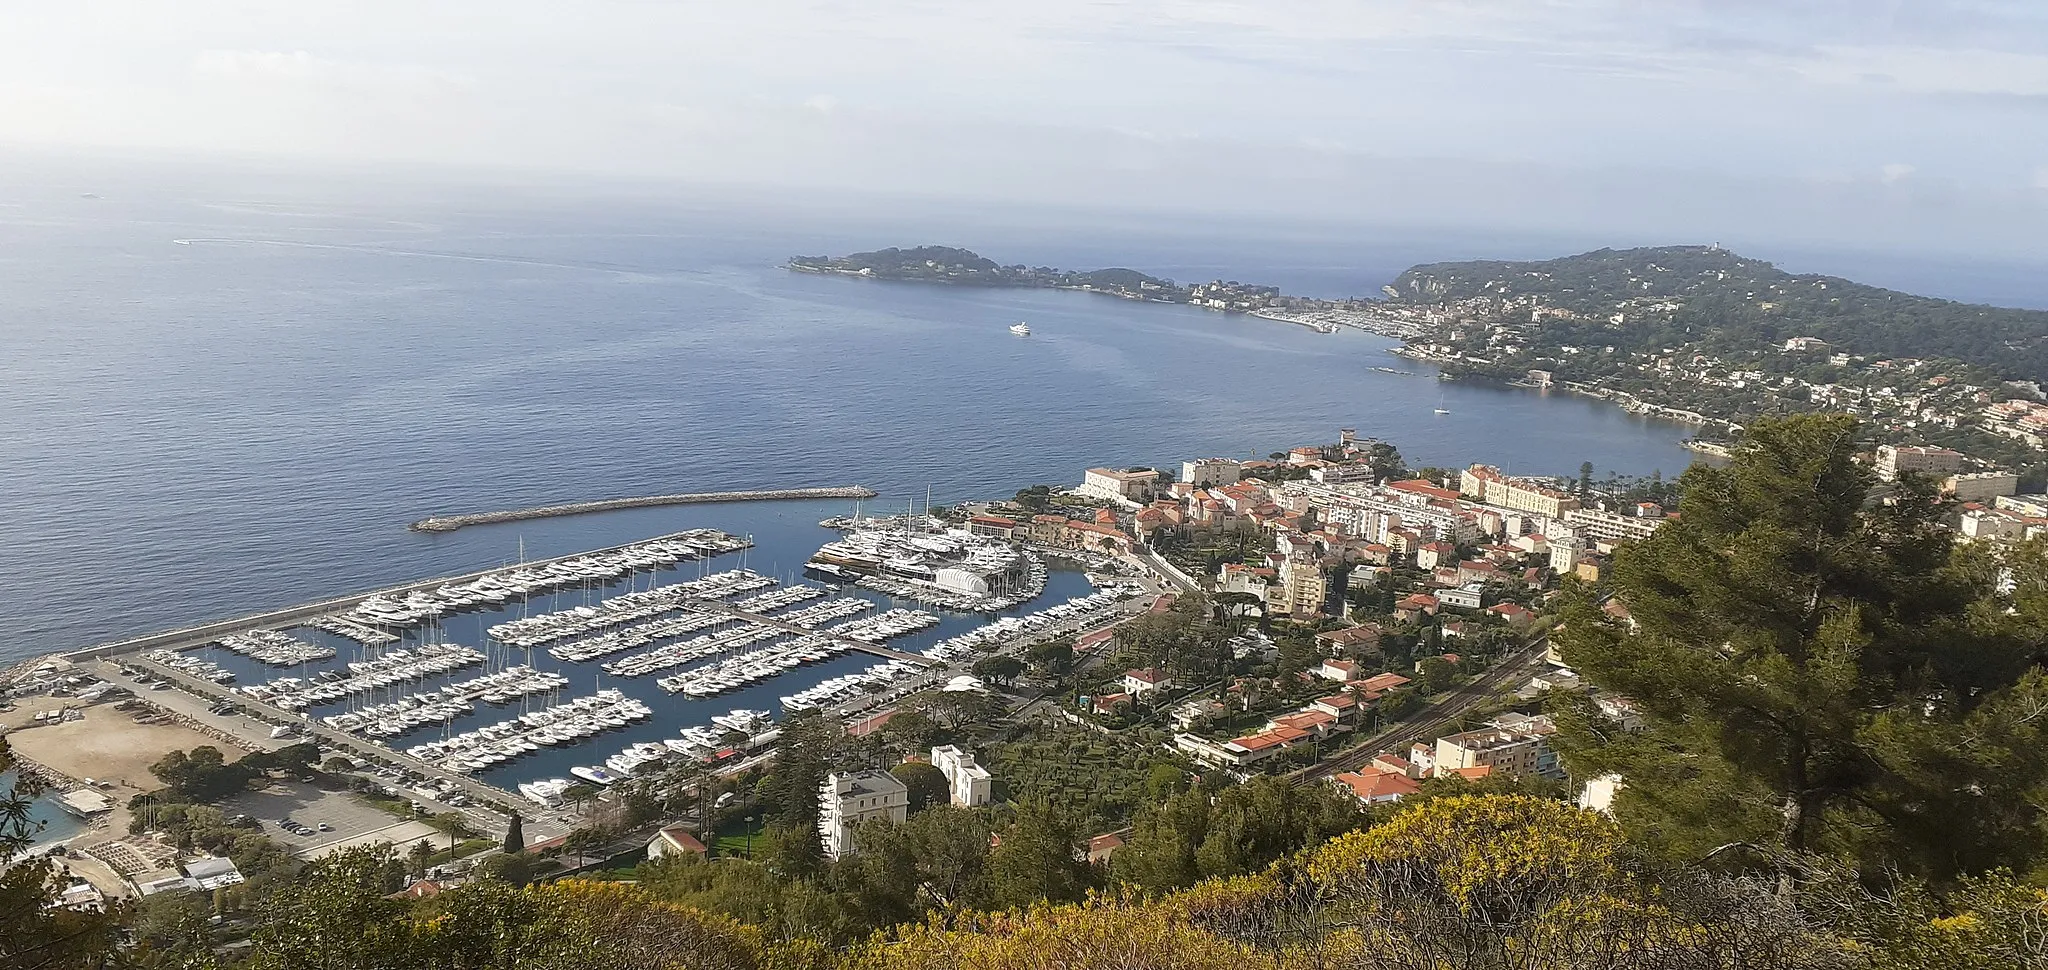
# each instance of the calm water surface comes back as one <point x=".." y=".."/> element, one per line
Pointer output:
<point x="210" y="406"/>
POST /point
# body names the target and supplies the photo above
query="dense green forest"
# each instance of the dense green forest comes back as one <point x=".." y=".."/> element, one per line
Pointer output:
<point x="1673" y="295"/>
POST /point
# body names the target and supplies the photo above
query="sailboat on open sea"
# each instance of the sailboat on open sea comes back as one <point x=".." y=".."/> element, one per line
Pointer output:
<point x="1440" y="409"/>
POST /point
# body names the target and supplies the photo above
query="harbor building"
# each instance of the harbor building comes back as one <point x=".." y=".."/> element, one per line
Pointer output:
<point x="1605" y="526"/>
<point x="1210" y="472"/>
<point x="968" y="782"/>
<point x="1896" y="460"/>
<point x="849" y="798"/>
<point x="1120" y="485"/>
<point x="1512" y="745"/>
<point x="1981" y="486"/>
<point x="1487" y="484"/>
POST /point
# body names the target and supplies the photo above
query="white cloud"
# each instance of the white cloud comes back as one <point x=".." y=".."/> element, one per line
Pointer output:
<point x="302" y="67"/>
<point x="1252" y="98"/>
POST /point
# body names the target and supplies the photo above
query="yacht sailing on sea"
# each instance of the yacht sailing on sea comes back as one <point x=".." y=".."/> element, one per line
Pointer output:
<point x="1022" y="329"/>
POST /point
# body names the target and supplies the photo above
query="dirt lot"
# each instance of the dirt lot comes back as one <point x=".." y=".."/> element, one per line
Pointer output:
<point x="107" y="745"/>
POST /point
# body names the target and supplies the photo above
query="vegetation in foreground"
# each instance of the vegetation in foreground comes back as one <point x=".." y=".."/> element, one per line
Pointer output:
<point x="1838" y="765"/>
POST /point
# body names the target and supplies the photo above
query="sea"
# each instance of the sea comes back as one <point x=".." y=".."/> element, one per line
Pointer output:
<point x="222" y="393"/>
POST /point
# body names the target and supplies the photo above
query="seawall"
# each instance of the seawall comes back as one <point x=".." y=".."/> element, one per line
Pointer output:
<point x="450" y="523"/>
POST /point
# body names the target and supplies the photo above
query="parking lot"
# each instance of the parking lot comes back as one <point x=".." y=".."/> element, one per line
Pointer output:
<point x="354" y="821"/>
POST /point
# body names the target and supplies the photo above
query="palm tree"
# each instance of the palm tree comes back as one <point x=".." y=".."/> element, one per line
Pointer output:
<point x="579" y="793"/>
<point x="421" y="851"/>
<point x="455" y="824"/>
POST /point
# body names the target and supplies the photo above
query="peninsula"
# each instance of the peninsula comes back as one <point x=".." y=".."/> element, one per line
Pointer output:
<point x="1696" y="334"/>
<point x="963" y="267"/>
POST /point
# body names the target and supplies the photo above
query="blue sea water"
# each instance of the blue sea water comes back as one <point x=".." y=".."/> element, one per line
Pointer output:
<point x="211" y="406"/>
<point x="222" y="394"/>
<point x="48" y="822"/>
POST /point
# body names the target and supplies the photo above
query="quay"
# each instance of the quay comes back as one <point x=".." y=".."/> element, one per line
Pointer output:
<point x="185" y="638"/>
<point x="450" y="523"/>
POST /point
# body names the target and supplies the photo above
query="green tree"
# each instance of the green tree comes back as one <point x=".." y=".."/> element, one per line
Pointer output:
<point x="336" y="915"/>
<point x="950" y="844"/>
<point x="455" y="825"/>
<point x="1002" y="670"/>
<point x="1436" y="674"/>
<point x="418" y="855"/>
<point x="927" y="784"/>
<point x="879" y="880"/>
<point x="1036" y="860"/>
<point x="1816" y="672"/>
<point x="1051" y="660"/>
<point x="908" y="731"/>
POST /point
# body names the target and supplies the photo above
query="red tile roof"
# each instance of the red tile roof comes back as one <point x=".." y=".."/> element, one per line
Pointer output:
<point x="1387" y="681"/>
<point x="1376" y="785"/>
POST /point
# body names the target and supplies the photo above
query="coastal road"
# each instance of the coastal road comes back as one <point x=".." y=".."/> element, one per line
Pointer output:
<point x="1164" y="569"/>
<point x="255" y="730"/>
<point x="1434" y="717"/>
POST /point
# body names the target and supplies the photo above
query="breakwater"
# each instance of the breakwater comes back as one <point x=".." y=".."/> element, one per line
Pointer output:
<point x="450" y="523"/>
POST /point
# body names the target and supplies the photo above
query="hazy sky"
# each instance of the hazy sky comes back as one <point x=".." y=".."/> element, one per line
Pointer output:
<point x="1895" y="122"/>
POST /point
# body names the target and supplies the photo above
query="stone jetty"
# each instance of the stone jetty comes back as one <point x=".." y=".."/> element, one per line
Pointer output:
<point x="450" y="523"/>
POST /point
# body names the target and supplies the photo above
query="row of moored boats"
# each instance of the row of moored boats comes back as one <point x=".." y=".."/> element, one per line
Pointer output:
<point x="536" y="631"/>
<point x="275" y="648"/>
<point x="518" y="582"/>
<point x="448" y="703"/>
<point x="389" y="670"/>
<point x="696" y="743"/>
<point x="192" y="666"/>
<point x="565" y="723"/>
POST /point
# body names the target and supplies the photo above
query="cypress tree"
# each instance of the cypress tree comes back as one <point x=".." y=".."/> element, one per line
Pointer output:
<point x="515" y="835"/>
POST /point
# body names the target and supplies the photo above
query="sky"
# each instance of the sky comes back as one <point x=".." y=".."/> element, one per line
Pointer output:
<point x="1880" y="122"/>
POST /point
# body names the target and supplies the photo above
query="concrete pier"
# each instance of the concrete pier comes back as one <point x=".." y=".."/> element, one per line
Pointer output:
<point x="450" y="523"/>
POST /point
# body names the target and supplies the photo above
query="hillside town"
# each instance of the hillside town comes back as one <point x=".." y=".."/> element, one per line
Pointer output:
<point x="1640" y="354"/>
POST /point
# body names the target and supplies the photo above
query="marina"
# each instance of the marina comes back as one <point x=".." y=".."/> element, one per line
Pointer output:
<point x="513" y="677"/>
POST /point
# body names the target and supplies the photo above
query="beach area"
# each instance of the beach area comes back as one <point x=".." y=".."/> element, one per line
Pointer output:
<point x="106" y="745"/>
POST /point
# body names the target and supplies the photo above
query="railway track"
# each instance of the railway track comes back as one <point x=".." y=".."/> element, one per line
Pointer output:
<point x="1442" y="711"/>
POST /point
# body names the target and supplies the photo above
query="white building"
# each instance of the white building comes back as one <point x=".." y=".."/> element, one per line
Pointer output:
<point x="1210" y="472"/>
<point x="1981" y="486"/>
<point x="969" y="782"/>
<point x="849" y="798"/>
<point x="1610" y="526"/>
<point x="1341" y="474"/>
<point x="1119" y="486"/>
<point x="1598" y="795"/>
<point x="1895" y="460"/>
